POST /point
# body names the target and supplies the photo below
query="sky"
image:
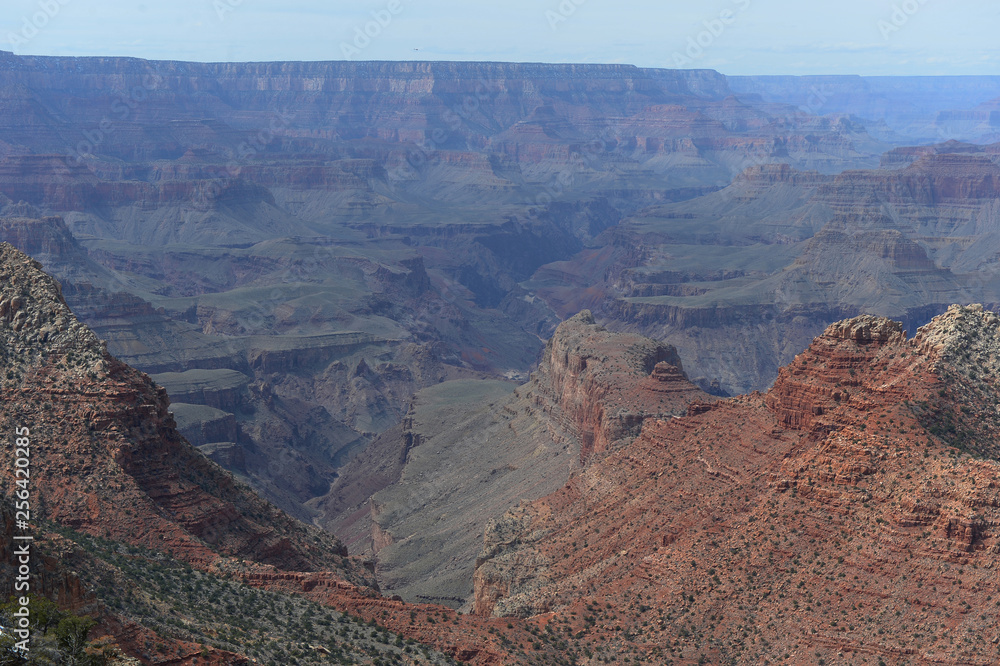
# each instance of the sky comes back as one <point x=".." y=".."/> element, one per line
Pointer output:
<point x="867" y="37"/>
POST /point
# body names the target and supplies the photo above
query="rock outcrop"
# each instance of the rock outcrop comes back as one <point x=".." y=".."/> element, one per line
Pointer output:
<point x="741" y="279"/>
<point x="302" y="218"/>
<point x="112" y="446"/>
<point x="49" y="577"/>
<point x="837" y="516"/>
<point x="603" y="385"/>
<point x="107" y="459"/>
<point x="424" y="523"/>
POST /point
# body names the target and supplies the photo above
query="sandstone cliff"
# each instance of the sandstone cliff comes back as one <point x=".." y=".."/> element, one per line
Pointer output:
<point x="850" y="512"/>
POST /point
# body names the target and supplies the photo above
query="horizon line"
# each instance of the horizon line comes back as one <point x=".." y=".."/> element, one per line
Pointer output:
<point x="5" y="53"/>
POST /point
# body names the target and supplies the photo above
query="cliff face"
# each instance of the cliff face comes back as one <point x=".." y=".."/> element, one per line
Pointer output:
<point x="604" y="384"/>
<point x="129" y="518"/>
<point x="502" y="445"/>
<point x="227" y="216"/>
<point x="49" y="576"/>
<point x="842" y="498"/>
<point x="307" y="393"/>
<point x="113" y="451"/>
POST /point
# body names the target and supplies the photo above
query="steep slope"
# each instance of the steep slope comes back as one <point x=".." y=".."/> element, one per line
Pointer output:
<point x="181" y="563"/>
<point x="345" y="234"/>
<point x="469" y="450"/>
<point x="832" y="518"/>
<point x="115" y="466"/>
<point x="314" y="390"/>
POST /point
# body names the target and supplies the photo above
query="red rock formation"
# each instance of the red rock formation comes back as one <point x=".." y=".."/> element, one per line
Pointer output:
<point x="108" y="460"/>
<point x="49" y="577"/>
<point x="828" y="519"/>
<point x="803" y="394"/>
<point x="606" y="384"/>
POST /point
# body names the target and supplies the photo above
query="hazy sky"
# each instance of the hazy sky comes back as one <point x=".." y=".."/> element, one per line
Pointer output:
<point x="734" y="36"/>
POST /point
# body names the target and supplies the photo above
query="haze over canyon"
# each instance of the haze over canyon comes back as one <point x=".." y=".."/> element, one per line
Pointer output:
<point x="506" y="363"/>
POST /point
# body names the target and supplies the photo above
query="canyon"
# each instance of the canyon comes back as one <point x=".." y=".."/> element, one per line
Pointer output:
<point x="847" y="514"/>
<point x="343" y="235"/>
<point x="450" y="348"/>
<point x="128" y="516"/>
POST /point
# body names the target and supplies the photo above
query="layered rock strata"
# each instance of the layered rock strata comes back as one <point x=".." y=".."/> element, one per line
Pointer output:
<point x="848" y="514"/>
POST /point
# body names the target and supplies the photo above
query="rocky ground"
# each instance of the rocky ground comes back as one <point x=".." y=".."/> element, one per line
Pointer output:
<point x="848" y="516"/>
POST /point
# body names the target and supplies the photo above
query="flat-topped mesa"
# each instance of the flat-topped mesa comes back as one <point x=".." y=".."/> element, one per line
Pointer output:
<point x="931" y="179"/>
<point x="605" y="384"/>
<point x="665" y="372"/>
<point x="904" y="156"/>
<point x="41" y="237"/>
